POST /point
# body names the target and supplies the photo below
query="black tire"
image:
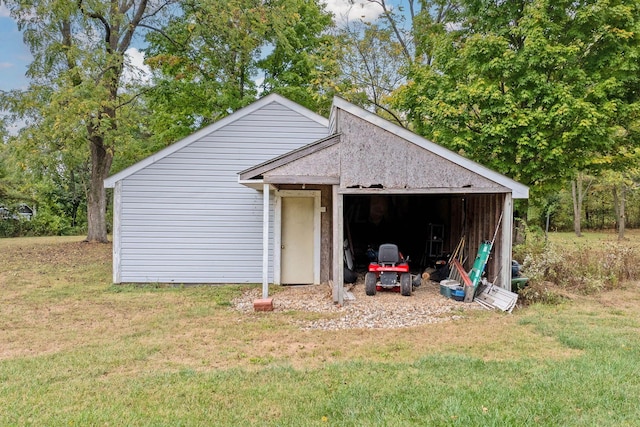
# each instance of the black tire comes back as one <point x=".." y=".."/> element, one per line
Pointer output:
<point x="405" y="284"/>
<point x="350" y="276"/>
<point x="370" y="283"/>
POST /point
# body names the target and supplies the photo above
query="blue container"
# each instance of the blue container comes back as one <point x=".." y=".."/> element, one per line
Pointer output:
<point x="458" y="293"/>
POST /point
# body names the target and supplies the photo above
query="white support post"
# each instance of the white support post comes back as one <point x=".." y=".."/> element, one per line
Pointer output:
<point x="506" y="242"/>
<point x="265" y="241"/>
<point x="117" y="232"/>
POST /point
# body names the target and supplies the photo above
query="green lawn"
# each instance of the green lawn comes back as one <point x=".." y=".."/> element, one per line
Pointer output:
<point x="77" y="350"/>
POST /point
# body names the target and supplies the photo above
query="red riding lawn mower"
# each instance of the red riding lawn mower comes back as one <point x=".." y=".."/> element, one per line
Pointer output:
<point x="391" y="272"/>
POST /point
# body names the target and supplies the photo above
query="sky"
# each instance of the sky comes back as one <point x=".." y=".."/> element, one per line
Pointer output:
<point x="14" y="55"/>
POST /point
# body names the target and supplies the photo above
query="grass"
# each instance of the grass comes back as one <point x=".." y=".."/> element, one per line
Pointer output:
<point x="77" y="350"/>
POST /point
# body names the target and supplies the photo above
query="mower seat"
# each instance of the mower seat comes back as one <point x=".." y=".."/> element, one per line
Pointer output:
<point x="388" y="254"/>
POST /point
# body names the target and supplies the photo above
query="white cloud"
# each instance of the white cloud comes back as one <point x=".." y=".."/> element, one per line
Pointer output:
<point x="4" y="65"/>
<point x="354" y="10"/>
<point x="135" y="68"/>
<point x="453" y="26"/>
<point x="4" y="12"/>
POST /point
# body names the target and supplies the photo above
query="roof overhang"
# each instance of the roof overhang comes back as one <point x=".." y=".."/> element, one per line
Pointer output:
<point x="434" y="190"/>
<point x="259" y="170"/>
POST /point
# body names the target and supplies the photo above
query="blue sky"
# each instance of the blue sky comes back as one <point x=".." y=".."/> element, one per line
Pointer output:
<point x="14" y="55"/>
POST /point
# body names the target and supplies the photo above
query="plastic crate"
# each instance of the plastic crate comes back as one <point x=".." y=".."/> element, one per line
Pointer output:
<point x="447" y="287"/>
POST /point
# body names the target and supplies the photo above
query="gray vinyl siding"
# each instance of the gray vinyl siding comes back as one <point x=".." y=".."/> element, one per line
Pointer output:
<point x="186" y="219"/>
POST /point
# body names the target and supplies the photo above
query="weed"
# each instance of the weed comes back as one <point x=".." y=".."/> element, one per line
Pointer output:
<point x="580" y="266"/>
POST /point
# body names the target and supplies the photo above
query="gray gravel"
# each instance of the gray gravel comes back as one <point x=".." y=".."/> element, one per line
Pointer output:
<point x="385" y="310"/>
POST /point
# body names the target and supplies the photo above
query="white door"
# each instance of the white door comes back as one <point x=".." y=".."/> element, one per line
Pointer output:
<point x="297" y="241"/>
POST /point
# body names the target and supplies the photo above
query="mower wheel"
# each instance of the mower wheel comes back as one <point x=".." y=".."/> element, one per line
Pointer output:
<point x="405" y="284"/>
<point x="370" y="283"/>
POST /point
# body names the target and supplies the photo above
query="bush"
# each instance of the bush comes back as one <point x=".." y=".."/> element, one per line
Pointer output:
<point x="10" y="227"/>
<point x="534" y="244"/>
<point x="542" y="293"/>
<point x="582" y="268"/>
<point x="44" y="223"/>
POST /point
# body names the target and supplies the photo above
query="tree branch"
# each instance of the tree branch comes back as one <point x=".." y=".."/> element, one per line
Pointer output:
<point x="158" y="9"/>
<point x="394" y="27"/>
<point x="102" y="19"/>
<point x="133" y="98"/>
<point x="135" y="22"/>
<point x="162" y="33"/>
<point x="395" y="117"/>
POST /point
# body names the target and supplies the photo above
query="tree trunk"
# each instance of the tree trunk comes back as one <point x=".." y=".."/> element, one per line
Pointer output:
<point x="576" y="193"/>
<point x="101" y="158"/>
<point x="97" y="197"/>
<point x="621" y="212"/>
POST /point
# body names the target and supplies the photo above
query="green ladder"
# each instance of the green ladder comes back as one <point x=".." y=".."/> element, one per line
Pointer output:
<point x="481" y="261"/>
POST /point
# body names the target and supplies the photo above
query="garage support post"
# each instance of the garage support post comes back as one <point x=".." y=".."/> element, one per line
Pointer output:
<point x="265" y="303"/>
<point x="506" y="242"/>
<point x="265" y="241"/>
<point x="338" y="250"/>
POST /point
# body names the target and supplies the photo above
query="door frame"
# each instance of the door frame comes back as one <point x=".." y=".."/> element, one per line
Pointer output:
<point x="277" y="232"/>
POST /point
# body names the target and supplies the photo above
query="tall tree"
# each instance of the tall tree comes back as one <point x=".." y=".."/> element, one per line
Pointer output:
<point x="579" y="188"/>
<point x="78" y="95"/>
<point x="377" y="55"/>
<point x="535" y="89"/>
<point x="299" y="58"/>
<point x="373" y="61"/>
<point x="218" y="55"/>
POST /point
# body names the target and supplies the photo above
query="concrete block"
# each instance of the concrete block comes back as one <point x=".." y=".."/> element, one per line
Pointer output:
<point x="263" y="304"/>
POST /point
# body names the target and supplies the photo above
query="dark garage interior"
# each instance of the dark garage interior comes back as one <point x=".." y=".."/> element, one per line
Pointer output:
<point x="421" y="225"/>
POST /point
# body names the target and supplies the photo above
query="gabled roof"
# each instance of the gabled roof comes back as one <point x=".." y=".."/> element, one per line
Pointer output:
<point x="519" y="191"/>
<point x="291" y="156"/>
<point x="262" y="102"/>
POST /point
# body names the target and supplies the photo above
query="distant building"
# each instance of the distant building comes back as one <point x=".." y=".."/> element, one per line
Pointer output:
<point x="23" y="212"/>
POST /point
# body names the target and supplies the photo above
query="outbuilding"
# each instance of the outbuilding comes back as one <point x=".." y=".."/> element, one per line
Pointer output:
<point x="274" y="193"/>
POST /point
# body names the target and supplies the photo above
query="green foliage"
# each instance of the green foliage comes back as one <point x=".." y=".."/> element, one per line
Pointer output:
<point x="47" y="223"/>
<point x="79" y="107"/>
<point x="557" y="204"/>
<point x="217" y="56"/>
<point x="376" y="56"/>
<point x="534" y="243"/>
<point x="301" y="64"/>
<point x="535" y="90"/>
<point x="372" y="64"/>
<point x="10" y="227"/>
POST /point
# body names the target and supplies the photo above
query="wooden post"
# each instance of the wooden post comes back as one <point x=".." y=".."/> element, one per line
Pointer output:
<point x="265" y="241"/>
<point x="506" y="242"/>
<point x="338" y="250"/>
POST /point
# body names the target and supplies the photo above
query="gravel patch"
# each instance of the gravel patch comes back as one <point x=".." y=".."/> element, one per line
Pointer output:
<point x="385" y="310"/>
